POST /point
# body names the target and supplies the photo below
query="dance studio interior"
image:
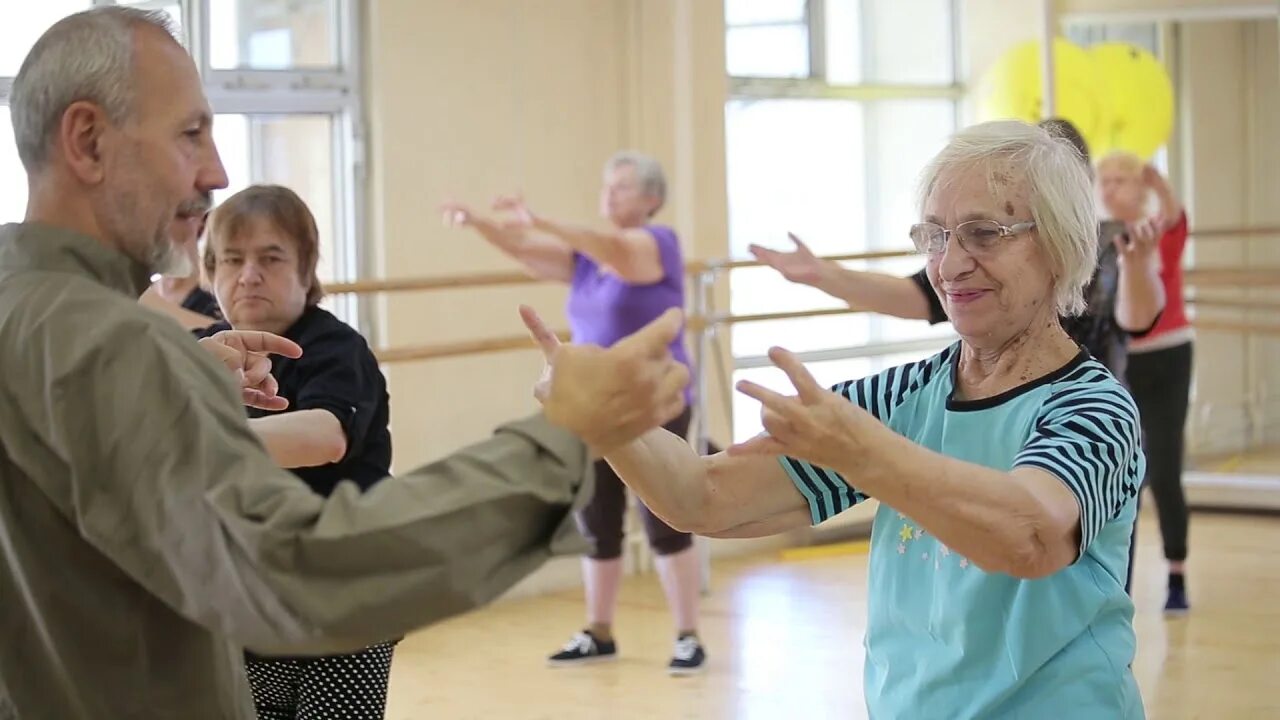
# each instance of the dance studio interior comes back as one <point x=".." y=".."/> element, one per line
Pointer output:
<point x="464" y="158"/>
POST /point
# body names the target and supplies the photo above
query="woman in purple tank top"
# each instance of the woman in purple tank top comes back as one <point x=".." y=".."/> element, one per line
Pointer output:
<point x="620" y="279"/>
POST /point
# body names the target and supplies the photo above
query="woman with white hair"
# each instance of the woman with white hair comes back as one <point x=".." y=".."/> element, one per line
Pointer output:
<point x="1006" y="466"/>
<point x="620" y="279"/>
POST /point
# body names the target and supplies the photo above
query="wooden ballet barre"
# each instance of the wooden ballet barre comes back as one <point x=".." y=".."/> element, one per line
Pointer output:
<point x="1228" y="233"/>
<point x="522" y="342"/>
<point x="457" y="349"/>
<point x="1244" y="328"/>
<point x="452" y="282"/>
<point x="1231" y="277"/>
<point x="877" y="255"/>
<point x="1222" y="304"/>
<point x="694" y="267"/>
<point x="699" y="323"/>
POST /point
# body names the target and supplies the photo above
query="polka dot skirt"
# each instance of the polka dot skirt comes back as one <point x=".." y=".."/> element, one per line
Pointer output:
<point x="341" y="687"/>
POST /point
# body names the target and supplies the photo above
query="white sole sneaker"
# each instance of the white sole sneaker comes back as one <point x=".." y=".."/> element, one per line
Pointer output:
<point x="590" y="660"/>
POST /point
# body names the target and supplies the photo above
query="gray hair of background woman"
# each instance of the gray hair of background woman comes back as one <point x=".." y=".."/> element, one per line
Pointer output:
<point x="1059" y="189"/>
<point x="648" y="171"/>
<point x="83" y="57"/>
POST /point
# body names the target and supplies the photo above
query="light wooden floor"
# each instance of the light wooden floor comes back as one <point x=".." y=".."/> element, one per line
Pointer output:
<point x="785" y="642"/>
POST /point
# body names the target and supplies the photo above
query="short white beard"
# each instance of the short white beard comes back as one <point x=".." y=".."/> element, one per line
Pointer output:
<point x="168" y="261"/>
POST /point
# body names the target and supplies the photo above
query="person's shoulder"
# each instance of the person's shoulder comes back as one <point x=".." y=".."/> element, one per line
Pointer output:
<point x="79" y="323"/>
<point x="663" y="233"/>
<point x="1087" y="385"/>
<point x="321" y="333"/>
<point x="899" y="382"/>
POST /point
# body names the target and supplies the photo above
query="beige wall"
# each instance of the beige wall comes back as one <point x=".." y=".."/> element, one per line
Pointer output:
<point x="1230" y="89"/>
<point x="471" y="98"/>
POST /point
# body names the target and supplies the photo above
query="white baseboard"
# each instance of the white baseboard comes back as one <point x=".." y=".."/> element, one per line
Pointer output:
<point x="1234" y="491"/>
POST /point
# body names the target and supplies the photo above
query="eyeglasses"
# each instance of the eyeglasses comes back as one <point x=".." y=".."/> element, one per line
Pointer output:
<point x="977" y="237"/>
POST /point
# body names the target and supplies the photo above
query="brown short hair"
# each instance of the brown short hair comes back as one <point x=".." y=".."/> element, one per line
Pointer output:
<point x="281" y="207"/>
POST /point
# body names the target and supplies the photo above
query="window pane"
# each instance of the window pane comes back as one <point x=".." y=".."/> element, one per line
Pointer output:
<point x="172" y="9"/>
<point x="749" y="12"/>
<point x="272" y="34"/>
<point x="20" y="28"/>
<point x="1144" y="35"/>
<point x="894" y="41"/>
<point x="13" y="180"/>
<point x="794" y="166"/>
<point x="907" y="134"/>
<point x="768" y="51"/>
<point x="746" y="411"/>
<point x="295" y="151"/>
<point x="291" y="150"/>
<point x="844" y="42"/>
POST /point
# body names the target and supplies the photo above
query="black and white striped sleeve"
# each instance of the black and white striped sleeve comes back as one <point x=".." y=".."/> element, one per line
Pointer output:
<point x="1087" y="435"/>
<point x="827" y="492"/>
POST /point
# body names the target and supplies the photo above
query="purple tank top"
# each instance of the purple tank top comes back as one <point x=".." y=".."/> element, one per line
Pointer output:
<point x="603" y="308"/>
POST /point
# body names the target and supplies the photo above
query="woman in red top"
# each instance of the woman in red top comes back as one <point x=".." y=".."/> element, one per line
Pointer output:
<point x="1159" y="369"/>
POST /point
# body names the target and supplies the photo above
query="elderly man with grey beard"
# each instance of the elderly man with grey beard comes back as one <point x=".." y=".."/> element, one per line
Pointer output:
<point x="146" y="536"/>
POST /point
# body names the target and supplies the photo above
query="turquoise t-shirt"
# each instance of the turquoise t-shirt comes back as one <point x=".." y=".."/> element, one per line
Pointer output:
<point x="947" y="640"/>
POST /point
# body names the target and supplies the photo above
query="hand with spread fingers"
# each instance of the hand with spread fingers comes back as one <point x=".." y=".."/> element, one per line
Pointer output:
<point x="519" y="211"/>
<point x="816" y="424"/>
<point x="798" y="266"/>
<point x="611" y="397"/>
<point x="248" y="354"/>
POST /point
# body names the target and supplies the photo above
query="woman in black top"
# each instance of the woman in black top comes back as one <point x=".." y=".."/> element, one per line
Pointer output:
<point x="261" y="256"/>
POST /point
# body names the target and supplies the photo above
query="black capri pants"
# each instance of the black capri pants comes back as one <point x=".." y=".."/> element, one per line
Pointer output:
<point x="600" y="520"/>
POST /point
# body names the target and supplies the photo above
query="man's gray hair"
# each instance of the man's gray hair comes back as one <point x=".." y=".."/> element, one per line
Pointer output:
<point x="1061" y="194"/>
<point x="652" y="180"/>
<point x="87" y="56"/>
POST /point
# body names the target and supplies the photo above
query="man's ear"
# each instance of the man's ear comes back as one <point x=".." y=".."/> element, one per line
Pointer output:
<point x="81" y="140"/>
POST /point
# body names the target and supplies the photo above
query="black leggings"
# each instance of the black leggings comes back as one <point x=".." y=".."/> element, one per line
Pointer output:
<point x="600" y="520"/>
<point x="1160" y="381"/>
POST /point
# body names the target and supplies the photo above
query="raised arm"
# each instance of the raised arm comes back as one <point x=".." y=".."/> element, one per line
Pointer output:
<point x="872" y="291"/>
<point x="631" y="253"/>
<point x="719" y="496"/>
<point x="1171" y="208"/>
<point x="305" y="438"/>
<point x="165" y="477"/>
<point x="1140" y="296"/>
<point x="187" y="319"/>
<point x="542" y="257"/>
<point x="1073" y="475"/>
<point x="716" y="496"/>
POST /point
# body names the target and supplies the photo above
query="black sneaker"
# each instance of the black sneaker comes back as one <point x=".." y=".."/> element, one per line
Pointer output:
<point x="584" y="649"/>
<point x="688" y="658"/>
<point x="1177" y="601"/>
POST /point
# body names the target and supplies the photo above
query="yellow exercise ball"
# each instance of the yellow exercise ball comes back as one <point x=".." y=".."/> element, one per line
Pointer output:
<point x="1013" y="88"/>
<point x="1140" y="95"/>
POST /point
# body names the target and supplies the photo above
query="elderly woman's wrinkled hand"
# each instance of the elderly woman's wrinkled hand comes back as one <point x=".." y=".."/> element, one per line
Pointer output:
<point x="816" y="424"/>
<point x="611" y="397"/>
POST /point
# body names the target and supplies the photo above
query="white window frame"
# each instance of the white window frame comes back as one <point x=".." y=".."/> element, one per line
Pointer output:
<point x="336" y="92"/>
<point x="816" y="86"/>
